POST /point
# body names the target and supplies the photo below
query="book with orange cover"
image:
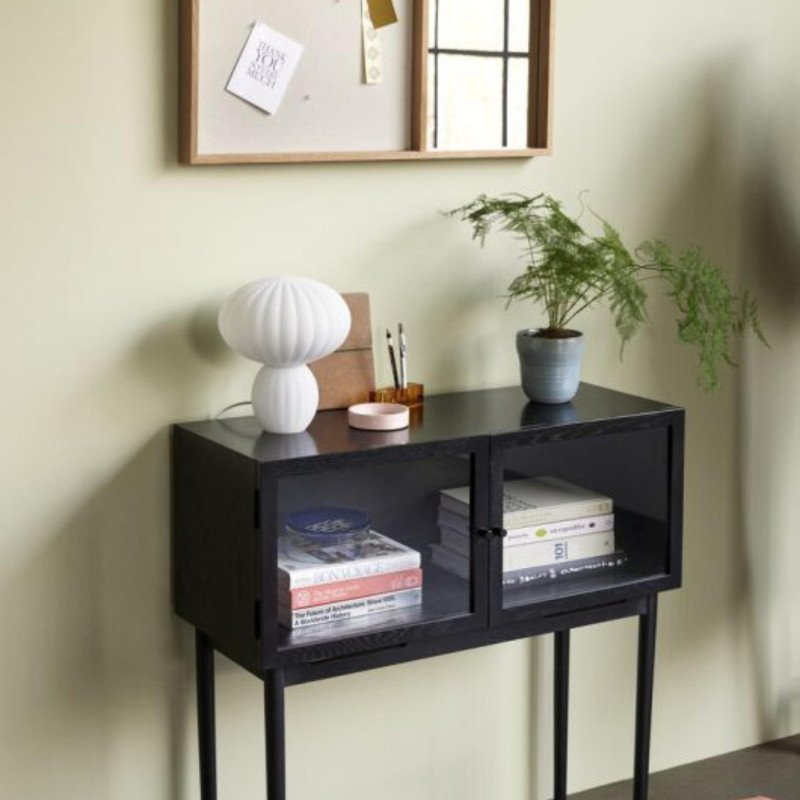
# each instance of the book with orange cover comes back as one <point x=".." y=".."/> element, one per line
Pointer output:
<point x="352" y="589"/>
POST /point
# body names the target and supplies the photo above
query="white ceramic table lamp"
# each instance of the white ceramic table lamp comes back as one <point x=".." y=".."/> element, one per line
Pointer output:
<point x="284" y="323"/>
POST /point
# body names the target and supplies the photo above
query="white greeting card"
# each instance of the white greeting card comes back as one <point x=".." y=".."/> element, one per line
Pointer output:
<point x="265" y="67"/>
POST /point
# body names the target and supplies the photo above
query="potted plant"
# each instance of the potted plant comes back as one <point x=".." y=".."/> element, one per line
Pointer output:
<point x="568" y="270"/>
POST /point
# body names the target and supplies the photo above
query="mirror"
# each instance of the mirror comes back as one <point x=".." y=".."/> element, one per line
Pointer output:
<point x="479" y="75"/>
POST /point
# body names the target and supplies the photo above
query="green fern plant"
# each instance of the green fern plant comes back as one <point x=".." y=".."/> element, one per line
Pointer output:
<point x="568" y="270"/>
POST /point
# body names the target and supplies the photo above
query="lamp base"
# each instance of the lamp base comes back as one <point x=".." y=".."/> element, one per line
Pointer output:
<point x="285" y="399"/>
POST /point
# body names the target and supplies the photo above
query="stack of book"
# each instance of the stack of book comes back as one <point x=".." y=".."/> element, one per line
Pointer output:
<point x="554" y="530"/>
<point x="364" y="574"/>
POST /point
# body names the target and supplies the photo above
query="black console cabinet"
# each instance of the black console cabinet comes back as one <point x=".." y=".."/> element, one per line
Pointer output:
<point x="233" y="486"/>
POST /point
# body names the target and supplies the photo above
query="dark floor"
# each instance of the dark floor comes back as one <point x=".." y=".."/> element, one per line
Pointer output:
<point x="771" y="770"/>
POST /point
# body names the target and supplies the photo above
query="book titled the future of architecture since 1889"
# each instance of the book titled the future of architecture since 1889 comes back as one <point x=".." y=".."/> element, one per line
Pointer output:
<point x="335" y="612"/>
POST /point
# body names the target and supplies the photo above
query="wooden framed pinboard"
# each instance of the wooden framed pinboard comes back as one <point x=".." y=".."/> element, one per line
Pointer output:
<point x="330" y="114"/>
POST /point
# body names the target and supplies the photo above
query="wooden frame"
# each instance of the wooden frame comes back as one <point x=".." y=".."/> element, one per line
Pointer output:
<point x="539" y="103"/>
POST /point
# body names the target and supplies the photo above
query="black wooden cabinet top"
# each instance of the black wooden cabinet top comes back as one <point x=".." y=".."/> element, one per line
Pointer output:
<point x="455" y="416"/>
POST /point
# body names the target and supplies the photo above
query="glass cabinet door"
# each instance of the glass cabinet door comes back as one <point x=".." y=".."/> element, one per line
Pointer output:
<point x="359" y="550"/>
<point x="586" y="520"/>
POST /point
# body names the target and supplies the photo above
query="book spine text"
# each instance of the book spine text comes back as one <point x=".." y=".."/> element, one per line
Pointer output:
<point x="351" y="609"/>
<point x="453" y="526"/>
<point x="544" y="574"/>
<point x="333" y="573"/>
<point x="570" y="548"/>
<point x="353" y="589"/>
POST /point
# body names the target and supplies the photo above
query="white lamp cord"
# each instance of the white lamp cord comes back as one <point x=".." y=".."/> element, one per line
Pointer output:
<point x="231" y="407"/>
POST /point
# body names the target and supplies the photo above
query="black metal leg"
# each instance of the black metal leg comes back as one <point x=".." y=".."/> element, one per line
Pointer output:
<point x="644" y="698"/>
<point x="276" y="735"/>
<point x="561" y="713"/>
<point x="204" y="654"/>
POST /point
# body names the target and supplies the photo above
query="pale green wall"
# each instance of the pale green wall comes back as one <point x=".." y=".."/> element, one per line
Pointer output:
<point x="681" y="119"/>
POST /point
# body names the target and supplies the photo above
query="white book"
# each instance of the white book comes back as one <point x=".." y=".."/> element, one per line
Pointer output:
<point x="553" y="551"/>
<point x="535" y="501"/>
<point x="453" y="526"/>
<point x="349" y="609"/>
<point x="541" y="554"/>
<point x="302" y="564"/>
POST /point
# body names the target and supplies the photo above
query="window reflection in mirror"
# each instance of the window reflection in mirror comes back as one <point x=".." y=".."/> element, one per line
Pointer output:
<point x="478" y="74"/>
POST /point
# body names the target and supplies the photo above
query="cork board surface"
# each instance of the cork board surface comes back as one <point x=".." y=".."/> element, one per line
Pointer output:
<point x="328" y="106"/>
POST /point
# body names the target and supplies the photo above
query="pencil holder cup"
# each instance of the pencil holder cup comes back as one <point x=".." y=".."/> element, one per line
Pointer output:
<point x="412" y="396"/>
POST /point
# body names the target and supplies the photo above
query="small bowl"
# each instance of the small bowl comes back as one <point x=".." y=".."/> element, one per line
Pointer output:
<point x="378" y="416"/>
<point x="326" y="527"/>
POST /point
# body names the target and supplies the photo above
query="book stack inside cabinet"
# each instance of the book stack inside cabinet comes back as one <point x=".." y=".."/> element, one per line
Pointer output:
<point x="555" y="530"/>
<point x="333" y="566"/>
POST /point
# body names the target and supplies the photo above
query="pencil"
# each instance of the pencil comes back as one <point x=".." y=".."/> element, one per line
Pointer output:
<point x="392" y="359"/>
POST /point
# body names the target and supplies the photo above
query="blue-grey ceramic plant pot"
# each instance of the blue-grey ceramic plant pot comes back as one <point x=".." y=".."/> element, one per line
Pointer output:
<point x="550" y="368"/>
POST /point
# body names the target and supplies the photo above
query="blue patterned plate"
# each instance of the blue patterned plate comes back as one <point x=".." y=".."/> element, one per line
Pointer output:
<point x="328" y="525"/>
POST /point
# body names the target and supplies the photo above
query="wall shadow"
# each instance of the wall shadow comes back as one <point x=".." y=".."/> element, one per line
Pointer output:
<point x="701" y="207"/>
<point x="771" y="432"/>
<point x="735" y="197"/>
<point x="730" y="198"/>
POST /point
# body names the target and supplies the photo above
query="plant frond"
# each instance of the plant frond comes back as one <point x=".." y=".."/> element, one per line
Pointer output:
<point x="568" y="270"/>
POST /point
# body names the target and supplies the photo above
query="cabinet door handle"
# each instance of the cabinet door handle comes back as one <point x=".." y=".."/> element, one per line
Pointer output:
<point x="488" y="533"/>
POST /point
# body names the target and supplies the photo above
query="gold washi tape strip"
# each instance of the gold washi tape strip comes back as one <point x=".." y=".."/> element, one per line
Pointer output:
<point x="373" y="58"/>
<point x="382" y="12"/>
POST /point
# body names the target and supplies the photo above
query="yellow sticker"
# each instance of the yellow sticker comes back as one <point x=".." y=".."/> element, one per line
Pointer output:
<point x="382" y="12"/>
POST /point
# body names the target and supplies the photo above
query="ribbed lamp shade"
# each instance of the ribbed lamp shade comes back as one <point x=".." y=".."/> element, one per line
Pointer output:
<point x="284" y="323"/>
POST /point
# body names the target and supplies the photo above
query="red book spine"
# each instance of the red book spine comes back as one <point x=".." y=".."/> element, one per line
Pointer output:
<point x="351" y="590"/>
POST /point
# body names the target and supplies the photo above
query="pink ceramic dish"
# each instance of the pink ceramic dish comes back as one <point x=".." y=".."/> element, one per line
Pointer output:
<point x="378" y="416"/>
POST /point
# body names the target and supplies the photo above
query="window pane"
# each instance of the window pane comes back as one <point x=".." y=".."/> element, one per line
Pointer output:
<point x="470" y="103"/>
<point x="432" y="103"/>
<point x="471" y="24"/>
<point x="519" y="25"/>
<point x="518" y="103"/>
